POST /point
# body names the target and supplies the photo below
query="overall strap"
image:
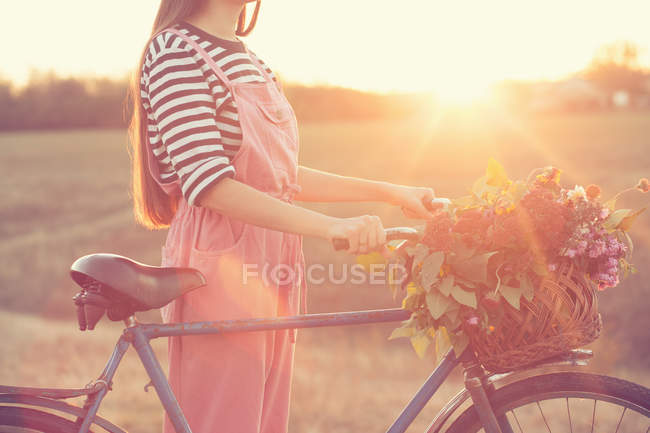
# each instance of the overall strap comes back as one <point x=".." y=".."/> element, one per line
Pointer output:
<point x="261" y="68"/>
<point x="204" y="55"/>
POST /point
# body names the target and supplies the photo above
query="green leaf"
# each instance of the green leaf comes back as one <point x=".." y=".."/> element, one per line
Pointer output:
<point x="615" y="218"/>
<point x="431" y="269"/>
<point x="452" y="314"/>
<point x="511" y="294"/>
<point x="402" y="332"/>
<point x="437" y="303"/>
<point x="464" y="297"/>
<point x="626" y="222"/>
<point x="459" y="342"/>
<point x="420" y="343"/>
<point x="527" y="288"/>
<point x="474" y="268"/>
<point x="419" y="253"/>
<point x="446" y="284"/>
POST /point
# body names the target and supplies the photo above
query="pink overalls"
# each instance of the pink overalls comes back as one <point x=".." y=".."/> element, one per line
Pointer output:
<point x="238" y="383"/>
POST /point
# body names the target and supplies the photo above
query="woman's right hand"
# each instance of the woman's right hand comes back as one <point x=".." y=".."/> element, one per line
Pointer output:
<point x="364" y="233"/>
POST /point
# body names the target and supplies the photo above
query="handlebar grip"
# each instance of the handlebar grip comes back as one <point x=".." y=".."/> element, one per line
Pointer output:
<point x="393" y="233"/>
<point x="406" y="233"/>
<point x="439" y="203"/>
<point x="340" y="244"/>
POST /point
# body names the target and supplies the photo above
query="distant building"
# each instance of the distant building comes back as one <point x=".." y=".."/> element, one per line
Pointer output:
<point x="575" y="94"/>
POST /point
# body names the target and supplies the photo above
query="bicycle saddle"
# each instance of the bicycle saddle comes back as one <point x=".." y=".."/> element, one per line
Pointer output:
<point x="127" y="282"/>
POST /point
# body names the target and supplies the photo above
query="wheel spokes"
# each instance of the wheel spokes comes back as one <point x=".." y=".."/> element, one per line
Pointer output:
<point x="568" y="411"/>
<point x="517" y="421"/>
<point x="543" y="417"/>
<point x="621" y="419"/>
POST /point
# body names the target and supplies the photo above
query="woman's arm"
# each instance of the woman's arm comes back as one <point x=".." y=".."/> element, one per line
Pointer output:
<point x="240" y="201"/>
<point x="328" y="187"/>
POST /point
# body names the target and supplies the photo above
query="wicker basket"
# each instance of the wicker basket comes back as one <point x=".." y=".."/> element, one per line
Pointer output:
<point x="562" y="316"/>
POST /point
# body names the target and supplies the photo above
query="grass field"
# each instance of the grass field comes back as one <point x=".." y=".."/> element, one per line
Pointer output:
<point x="65" y="194"/>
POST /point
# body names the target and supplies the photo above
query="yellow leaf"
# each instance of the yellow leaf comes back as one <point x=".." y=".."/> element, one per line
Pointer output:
<point x="402" y="332"/>
<point x="496" y="174"/>
<point x="420" y="343"/>
<point x="367" y="260"/>
<point x="411" y="288"/>
<point x="437" y="304"/>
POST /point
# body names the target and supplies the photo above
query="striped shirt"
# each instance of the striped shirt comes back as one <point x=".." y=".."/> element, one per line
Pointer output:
<point x="193" y="125"/>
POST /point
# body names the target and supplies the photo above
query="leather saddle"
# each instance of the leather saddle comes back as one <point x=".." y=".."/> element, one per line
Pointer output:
<point x="121" y="286"/>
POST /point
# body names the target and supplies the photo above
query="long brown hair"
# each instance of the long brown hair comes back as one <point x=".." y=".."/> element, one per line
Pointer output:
<point x="153" y="208"/>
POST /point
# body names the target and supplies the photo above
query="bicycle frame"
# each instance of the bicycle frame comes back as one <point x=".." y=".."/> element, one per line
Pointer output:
<point x="139" y="335"/>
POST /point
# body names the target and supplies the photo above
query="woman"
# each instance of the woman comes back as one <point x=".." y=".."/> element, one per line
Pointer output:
<point x="215" y="159"/>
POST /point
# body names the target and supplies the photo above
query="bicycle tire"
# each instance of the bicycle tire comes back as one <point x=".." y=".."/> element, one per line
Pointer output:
<point x="569" y="385"/>
<point x="35" y="420"/>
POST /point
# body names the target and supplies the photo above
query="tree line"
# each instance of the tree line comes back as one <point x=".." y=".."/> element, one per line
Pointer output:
<point x="52" y="102"/>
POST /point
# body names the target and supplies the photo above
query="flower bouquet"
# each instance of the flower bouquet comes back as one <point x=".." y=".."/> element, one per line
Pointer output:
<point x="512" y="269"/>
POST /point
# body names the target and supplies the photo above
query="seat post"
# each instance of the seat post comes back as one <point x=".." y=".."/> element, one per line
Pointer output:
<point x="130" y="321"/>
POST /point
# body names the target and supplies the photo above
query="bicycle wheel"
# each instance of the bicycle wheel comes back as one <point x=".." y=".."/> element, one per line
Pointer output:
<point x="14" y="419"/>
<point x="566" y="402"/>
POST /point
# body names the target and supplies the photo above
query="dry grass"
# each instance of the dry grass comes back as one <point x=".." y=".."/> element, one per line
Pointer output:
<point x="65" y="195"/>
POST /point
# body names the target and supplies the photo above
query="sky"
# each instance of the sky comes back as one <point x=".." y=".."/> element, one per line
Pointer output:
<point x="455" y="47"/>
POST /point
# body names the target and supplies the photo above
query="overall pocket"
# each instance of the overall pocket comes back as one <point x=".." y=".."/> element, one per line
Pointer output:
<point x="282" y="120"/>
<point x="220" y="251"/>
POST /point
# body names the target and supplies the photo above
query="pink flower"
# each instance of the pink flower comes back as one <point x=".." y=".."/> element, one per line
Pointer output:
<point x="615" y="247"/>
<point x="552" y="267"/>
<point x="472" y="321"/>
<point x="597" y="249"/>
<point x="570" y="252"/>
<point x="604" y="213"/>
<point x="582" y="247"/>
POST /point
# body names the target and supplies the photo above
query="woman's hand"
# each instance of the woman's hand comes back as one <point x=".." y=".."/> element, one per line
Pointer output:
<point x="364" y="233"/>
<point x="411" y="199"/>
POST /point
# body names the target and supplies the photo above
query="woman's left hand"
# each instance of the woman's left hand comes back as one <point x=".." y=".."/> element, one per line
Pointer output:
<point x="411" y="199"/>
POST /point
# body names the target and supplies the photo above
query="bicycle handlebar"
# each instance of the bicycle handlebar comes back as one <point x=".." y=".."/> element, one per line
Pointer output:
<point x="395" y="233"/>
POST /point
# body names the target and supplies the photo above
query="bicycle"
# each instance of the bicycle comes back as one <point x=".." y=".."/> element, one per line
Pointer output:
<point x="121" y="287"/>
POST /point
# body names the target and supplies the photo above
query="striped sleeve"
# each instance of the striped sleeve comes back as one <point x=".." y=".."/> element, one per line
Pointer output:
<point x="183" y="107"/>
